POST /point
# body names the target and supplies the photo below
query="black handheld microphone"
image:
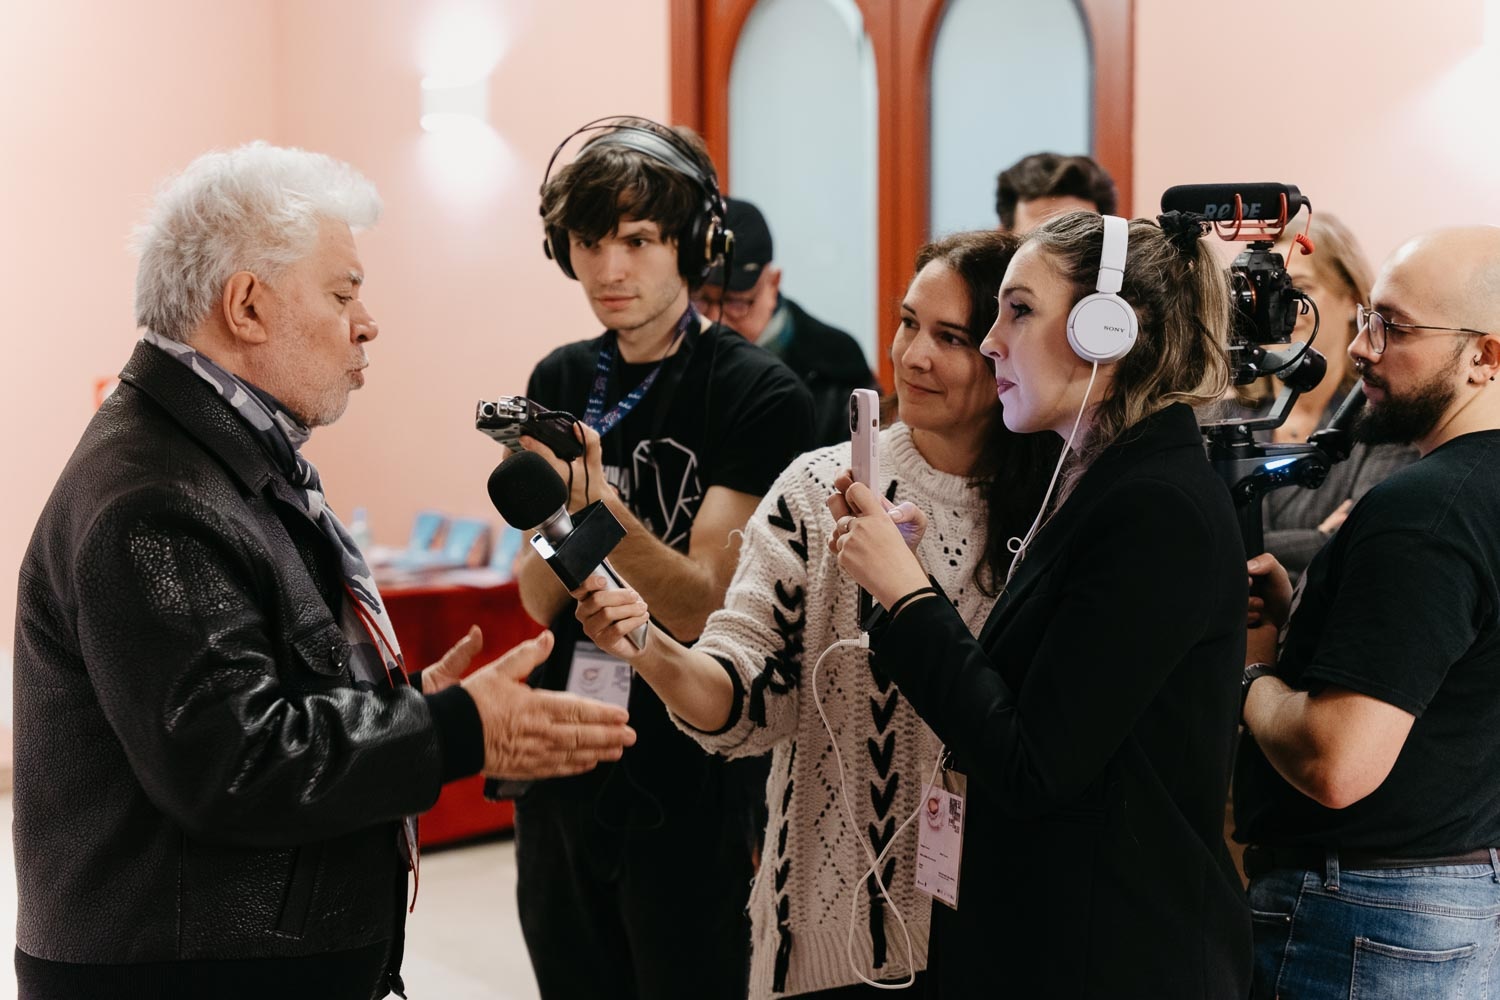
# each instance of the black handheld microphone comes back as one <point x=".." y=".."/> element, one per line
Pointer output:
<point x="1258" y="202"/>
<point x="529" y="494"/>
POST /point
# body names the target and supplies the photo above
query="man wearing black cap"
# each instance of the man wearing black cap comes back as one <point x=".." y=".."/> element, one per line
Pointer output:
<point x="828" y="360"/>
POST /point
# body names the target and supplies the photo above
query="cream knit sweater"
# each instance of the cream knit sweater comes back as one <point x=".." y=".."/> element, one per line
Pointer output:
<point x="787" y="604"/>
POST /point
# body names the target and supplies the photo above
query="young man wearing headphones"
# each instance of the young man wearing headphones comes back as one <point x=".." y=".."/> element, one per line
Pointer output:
<point x="633" y="881"/>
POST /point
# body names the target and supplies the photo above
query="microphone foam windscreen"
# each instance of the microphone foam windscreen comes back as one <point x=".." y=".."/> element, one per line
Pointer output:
<point x="526" y="490"/>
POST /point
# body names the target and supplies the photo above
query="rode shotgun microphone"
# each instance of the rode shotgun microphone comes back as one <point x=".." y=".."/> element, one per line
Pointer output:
<point x="1259" y="202"/>
<point x="530" y="495"/>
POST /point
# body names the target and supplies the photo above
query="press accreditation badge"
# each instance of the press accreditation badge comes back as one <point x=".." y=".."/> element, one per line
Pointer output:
<point x="940" y="839"/>
<point x="597" y="675"/>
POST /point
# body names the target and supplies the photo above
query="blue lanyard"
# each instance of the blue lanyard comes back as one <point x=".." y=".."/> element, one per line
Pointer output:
<point x="595" y="416"/>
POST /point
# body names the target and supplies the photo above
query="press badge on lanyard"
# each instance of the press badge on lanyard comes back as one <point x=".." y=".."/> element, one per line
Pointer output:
<point x="597" y="675"/>
<point x="940" y="838"/>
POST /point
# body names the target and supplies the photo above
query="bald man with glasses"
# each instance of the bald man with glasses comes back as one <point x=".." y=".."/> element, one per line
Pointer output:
<point x="1368" y="780"/>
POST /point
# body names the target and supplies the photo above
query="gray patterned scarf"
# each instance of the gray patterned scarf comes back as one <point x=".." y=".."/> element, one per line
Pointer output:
<point x="375" y="656"/>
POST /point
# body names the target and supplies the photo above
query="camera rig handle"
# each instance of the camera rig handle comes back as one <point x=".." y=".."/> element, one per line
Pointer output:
<point x="1252" y="469"/>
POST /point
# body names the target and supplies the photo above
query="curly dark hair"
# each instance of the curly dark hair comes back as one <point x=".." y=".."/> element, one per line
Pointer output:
<point x="1016" y="467"/>
<point x="1052" y="175"/>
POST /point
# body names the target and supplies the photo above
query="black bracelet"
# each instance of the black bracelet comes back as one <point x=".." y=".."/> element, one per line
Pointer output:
<point x="895" y="609"/>
<point x="1253" y="673"/>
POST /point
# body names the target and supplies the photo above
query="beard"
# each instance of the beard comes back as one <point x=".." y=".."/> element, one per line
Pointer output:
<point x="1409" y="417"/>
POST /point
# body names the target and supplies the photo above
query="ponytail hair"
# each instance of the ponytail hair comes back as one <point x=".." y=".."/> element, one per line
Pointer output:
<point x="1180" y="293"/>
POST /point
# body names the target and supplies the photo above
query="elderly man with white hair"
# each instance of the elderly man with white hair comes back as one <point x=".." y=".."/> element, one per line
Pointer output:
<point x="218" y="749"/>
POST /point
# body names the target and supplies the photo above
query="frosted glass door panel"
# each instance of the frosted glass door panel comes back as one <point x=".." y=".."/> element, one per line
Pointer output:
<point x="802" y="144"/>
<point x="1009" y="77"/>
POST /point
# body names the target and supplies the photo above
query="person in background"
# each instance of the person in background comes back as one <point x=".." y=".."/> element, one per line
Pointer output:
<point x="1037" y="187"/>
<point x="745" y="687"/>
<point x="219" y="755"/>
<point x="1367" y="784"/>
<point x="748" y="297"/>
<point x="1299" y="521"/>
<point x="1093" y="719"/>
<point x="632" y="880"/>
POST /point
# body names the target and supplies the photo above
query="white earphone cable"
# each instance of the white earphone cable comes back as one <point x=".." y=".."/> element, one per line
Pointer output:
<point x="863" y="642"/>
<point x="1018" y="546"/>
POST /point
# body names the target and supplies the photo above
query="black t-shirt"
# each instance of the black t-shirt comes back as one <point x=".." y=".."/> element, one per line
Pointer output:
<point x="1402" y="606"/>
<point x="723" y="412"/>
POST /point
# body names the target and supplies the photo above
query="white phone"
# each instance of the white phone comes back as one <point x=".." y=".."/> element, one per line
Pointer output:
<point x="864" y="435"/>
<point x="864" y="439"/>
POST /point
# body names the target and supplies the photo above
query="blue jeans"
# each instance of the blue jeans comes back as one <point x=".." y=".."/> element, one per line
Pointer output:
<point x="1398" y="933"/>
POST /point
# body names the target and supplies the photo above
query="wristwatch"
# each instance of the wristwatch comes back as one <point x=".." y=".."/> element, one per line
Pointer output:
<point x="1253" y="671"/>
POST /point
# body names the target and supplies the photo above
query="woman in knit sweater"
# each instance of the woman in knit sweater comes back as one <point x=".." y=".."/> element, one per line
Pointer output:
<point x="744" y="688"/>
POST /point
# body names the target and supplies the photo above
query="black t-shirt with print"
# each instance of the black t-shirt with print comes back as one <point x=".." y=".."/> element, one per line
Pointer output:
<point x="722" y="412"/>
<point x="1402" y="605"/>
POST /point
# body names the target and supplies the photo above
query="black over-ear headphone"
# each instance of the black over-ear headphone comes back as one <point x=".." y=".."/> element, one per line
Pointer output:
<point x="705" y="244"/>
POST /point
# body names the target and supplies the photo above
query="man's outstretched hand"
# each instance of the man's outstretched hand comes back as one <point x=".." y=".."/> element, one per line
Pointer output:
<point x="529" y="733"/>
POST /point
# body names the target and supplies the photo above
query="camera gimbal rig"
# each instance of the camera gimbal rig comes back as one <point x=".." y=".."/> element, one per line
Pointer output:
<point x="1265" y="309"/>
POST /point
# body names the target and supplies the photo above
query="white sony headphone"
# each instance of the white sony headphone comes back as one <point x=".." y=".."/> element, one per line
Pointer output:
<point x="1101" y="327"/>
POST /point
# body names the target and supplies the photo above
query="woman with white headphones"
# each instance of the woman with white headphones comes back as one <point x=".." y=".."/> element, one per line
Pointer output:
<point x="1090" y="725"/>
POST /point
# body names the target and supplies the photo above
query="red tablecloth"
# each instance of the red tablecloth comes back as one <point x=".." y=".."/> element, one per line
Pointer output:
<point x="428" y="620"/>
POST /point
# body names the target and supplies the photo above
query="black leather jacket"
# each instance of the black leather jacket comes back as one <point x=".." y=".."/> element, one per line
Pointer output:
<point x="197" y="777"/>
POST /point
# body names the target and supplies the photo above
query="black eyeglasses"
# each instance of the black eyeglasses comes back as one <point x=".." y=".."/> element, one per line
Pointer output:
<point x="1373" y="325"/>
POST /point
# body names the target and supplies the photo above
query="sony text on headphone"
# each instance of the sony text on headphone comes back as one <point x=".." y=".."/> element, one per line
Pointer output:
<point x="1102" y="326"/>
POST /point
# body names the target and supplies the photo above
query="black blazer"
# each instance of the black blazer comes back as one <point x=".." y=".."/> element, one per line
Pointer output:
<point x="1095" y="718"/>
<point x="197" y="775"/>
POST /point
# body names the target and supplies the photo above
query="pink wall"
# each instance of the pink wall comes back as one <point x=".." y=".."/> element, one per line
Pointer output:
<point x="104" y="100"/>
<point x="1382" y="113"/>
